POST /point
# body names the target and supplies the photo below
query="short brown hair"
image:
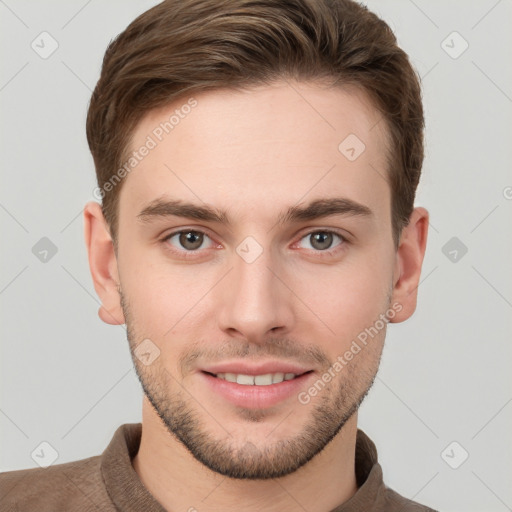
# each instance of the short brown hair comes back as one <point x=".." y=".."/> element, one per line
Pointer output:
<point x="186" y="46"/>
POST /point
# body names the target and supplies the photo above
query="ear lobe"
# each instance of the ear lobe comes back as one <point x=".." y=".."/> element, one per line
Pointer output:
<point x="409" y="260"/>
<point x="102" y="264"/>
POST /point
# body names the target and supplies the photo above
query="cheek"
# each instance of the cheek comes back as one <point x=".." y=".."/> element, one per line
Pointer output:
<point x="155" y="306"/>
<point x="164" y="299"/>
<point x="350" y="296"/>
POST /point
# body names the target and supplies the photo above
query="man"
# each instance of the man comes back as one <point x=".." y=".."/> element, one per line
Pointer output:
<point x="257" y="163"/>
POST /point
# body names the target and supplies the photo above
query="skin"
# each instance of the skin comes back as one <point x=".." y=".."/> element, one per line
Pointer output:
<point x="254" y="154"/>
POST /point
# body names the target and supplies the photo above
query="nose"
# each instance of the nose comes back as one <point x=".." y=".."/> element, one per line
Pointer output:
<point x="255" y="303"/>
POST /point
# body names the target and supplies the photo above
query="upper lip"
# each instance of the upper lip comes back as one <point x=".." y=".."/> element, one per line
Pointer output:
<point x="260" y="368"/>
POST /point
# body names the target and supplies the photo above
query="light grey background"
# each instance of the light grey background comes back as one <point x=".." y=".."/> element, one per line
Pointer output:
<point x="67" y="378"/>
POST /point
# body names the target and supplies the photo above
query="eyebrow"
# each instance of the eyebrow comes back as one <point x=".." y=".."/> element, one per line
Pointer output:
<point x="161" y="208"/>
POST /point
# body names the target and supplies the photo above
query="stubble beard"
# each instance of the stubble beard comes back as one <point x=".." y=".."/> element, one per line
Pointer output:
<point x="186" y="420"/>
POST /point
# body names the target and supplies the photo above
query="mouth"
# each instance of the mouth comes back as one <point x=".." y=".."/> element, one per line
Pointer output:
<point x="265" y="379"/>
<point x="256" y="386"/>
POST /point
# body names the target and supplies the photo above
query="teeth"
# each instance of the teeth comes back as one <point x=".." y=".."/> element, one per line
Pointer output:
<point x="230" y="377"/>
<point x="278" y="377"/>
<point x="256" y="380"/>
<point x="247" y="380"/>
<point x="263" y="380"/>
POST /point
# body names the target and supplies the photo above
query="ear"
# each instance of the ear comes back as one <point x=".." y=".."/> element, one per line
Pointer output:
<point x="103" y="264"/>
<point x="408" y="263"/>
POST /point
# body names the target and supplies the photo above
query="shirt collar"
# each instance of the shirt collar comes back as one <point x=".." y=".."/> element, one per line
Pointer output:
<point x="123" y="485"/>
<point x="128" y="493"/>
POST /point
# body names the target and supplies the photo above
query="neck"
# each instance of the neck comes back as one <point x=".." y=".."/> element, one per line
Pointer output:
<point x="179" y="482"/>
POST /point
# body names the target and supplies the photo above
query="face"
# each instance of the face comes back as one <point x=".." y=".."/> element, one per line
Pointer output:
<point x="255" y="253"/>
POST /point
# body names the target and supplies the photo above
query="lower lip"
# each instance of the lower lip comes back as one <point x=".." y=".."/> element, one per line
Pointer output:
<point x="256" y="397"/>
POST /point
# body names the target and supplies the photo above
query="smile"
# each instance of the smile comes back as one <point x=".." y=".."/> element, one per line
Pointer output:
<point x="256" y="388"/>
<point x="256" y="380"/>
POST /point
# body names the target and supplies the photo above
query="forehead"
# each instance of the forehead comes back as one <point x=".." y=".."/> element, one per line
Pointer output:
<point x="247" y="151"/>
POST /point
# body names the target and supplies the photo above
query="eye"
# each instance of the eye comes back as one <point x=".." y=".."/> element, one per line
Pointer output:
<point x="189" y="240"/>
<point x="321" y="240"/>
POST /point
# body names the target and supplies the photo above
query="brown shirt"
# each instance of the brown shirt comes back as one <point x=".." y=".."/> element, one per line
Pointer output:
<point x="109" y="483"/>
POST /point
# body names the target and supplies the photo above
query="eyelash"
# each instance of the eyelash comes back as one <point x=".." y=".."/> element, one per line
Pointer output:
<point x="193" y="254"/>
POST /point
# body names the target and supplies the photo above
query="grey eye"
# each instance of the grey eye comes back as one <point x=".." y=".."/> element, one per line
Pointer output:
<point x="189" y="240"/>
<point x="320" y="240"/>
